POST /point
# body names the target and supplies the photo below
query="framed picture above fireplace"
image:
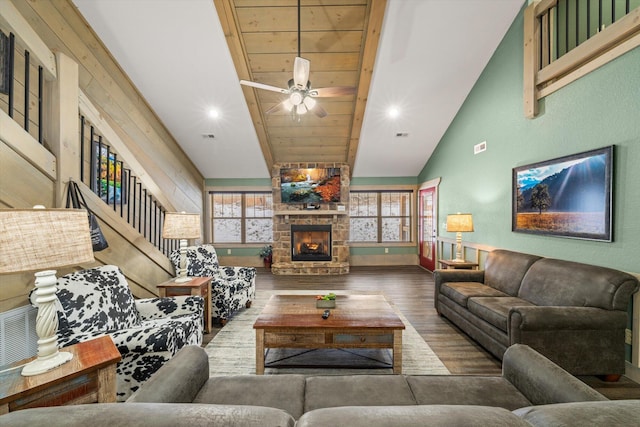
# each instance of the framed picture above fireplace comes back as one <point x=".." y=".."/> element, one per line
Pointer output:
<point x="312" y="185"/>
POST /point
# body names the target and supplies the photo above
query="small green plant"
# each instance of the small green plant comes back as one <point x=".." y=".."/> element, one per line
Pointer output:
<point x="266" y="251"/>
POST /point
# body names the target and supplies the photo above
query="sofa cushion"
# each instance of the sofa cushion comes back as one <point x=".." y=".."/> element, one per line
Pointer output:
<point x="148" y="414"/>
<point x="466" y="390"/>
<point x="565" y="283"/>
<point x="284" y="392"/>
<point x="356" y="390"/>
<point x="619" y="413"/>
<point x="504" y="270"/>
<point x="460" y="292"/>
<point x="411" y="416"/>
<point x="495" y="310"/>
<point x="96" y="299"/>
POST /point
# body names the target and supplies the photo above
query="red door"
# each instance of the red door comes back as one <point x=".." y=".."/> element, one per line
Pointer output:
<point x="427" y="220"/>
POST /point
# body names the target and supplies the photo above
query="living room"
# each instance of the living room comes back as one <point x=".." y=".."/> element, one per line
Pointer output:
<point x="600" y="109"/>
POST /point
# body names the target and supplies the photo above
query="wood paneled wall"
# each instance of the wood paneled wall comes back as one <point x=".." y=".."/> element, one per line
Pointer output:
<point x="30" y="174"/>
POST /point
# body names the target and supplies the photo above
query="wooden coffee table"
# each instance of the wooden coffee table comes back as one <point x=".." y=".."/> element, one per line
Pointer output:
<point x="357" y="321"/>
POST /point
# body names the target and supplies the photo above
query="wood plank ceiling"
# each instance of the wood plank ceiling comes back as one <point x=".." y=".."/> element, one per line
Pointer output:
<point x="340" y="39"/>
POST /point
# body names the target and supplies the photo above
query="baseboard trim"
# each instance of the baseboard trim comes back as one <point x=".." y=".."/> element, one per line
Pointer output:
<point x="632" y="372"/>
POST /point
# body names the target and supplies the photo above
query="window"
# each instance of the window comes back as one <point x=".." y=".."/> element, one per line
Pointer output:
<point x="380" y="216"/>
<point x="242" y="217"/>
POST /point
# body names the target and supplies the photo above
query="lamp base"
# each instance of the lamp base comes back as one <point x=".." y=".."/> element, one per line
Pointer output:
<point x="183" y="279"/>
<point x="44" y="364"/>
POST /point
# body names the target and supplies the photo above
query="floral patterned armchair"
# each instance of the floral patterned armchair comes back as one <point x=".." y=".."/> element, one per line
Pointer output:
<point x="147" y="332"/>
<point x="231" y="287"/>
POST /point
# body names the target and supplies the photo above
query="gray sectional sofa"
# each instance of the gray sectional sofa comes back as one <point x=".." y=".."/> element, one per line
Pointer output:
<point x="575" y="314"/>
<point x="532" y="391"/>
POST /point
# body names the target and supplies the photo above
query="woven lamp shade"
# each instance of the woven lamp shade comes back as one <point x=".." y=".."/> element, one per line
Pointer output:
<point x="459" y="222"/>
<point x="181" y="225"/>
<point x="36" y="239"/>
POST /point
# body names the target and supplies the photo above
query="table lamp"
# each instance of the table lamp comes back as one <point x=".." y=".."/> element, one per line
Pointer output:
<point x="459" y="223"/>
<point x="34" y="239"/>
<point x="183" y="226"/>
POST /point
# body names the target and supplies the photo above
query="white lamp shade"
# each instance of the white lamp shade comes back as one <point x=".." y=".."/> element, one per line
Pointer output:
<point x="181" y="225"/>
<point x="36" y="239"/>
<point x="459" y="222"/>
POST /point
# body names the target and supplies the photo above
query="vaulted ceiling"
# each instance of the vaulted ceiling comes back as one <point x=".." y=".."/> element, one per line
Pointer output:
<point x="339" y="38"/>
<point x="420" y="57"/>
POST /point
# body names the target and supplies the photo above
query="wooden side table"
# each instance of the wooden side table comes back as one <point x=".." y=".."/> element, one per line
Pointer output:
<point x="198" y="286"/>
<point x="89" y="377"/>
<point x="458" y="265"/>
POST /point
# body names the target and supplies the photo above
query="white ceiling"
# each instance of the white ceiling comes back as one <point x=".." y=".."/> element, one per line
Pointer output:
<point x="431" y="53"/>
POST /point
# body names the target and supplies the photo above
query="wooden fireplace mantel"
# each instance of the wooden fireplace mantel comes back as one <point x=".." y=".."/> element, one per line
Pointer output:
<point x="309" y="212"/>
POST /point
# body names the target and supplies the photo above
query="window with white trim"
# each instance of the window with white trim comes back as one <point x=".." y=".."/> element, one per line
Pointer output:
<point x="242" y="217"/>
<point x="380" y="216"/>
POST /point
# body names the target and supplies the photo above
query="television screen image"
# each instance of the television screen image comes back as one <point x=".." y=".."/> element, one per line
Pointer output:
<point x="315" y="185"/>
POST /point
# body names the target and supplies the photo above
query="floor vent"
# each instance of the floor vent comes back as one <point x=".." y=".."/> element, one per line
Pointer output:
<point x="18" y="338"/>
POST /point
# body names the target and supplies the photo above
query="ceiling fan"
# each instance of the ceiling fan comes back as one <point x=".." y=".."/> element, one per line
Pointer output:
<point x="300" y="94"/>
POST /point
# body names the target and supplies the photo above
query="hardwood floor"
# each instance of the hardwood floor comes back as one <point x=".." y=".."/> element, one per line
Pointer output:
<point x="411" y="289"/>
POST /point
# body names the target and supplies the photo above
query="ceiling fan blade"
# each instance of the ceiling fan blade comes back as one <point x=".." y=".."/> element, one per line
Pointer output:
<point x="301" y="72"/>
<point x="276" y="108"/>
<point x="319" y="111"/>
<point x="263" y="86"/>
<point x="324" y="92"/>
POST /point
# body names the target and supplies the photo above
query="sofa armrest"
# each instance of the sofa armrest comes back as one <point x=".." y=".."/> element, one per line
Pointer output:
<point x="244" y="274"/>
<point x="177" y="381"/>
<point x="546" y="318"/>
<point x="159" y="308"/>
<point x="542" y="381"/>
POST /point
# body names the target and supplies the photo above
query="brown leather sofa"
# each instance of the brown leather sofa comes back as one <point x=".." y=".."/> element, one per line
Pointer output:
<point x="575" y="314"/>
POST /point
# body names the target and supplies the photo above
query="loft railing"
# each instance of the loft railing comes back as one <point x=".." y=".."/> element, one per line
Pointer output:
<point x="112" y="180"/>
<point x="17" y="94"/>
<point x="566" y="39"/>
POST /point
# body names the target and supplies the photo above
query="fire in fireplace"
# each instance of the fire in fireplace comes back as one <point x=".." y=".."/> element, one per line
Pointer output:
<point x="311" y="242"/>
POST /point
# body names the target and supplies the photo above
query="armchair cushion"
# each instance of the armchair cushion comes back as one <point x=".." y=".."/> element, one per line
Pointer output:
<point x="93" y="300"/>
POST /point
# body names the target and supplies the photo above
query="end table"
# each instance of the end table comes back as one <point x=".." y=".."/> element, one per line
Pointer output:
<point x="197" y="286"/>
<point x="458" y="265"/>
<point x="89" y="377"/>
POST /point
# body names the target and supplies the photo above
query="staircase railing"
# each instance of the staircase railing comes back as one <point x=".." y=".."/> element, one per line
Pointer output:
<point x="566" y="39"/>
<point x="113" y="181"/>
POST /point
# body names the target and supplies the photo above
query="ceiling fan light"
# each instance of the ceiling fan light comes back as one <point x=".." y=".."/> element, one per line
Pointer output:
<point x="288" y="105"/>
<point x="301" y="109"/>
<point x="295" y="98"/>
<point x="309" y="102"/>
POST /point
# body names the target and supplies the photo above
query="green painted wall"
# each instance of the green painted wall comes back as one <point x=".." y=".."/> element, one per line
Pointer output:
<point x="600" y="109"/>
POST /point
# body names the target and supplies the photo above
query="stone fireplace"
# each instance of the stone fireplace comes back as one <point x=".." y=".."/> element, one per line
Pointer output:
<point x="307" y="240"/>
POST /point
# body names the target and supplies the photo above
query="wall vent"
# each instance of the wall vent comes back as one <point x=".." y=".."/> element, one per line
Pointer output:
<point x="18" y="338"/>
<point x="479" y="148"/>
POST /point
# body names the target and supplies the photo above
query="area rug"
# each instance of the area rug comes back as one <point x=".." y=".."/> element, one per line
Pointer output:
<point x="232" y="350"/>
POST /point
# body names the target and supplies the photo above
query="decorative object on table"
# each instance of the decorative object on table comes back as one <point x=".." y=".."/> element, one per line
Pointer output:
<point x="183" y="226"/>
<point x="326" y="301"/>
<point x="34" y="239"/>
<point x="459" y="223"/>
<point x="568" y="197"/>
<point x="266" y="253"/>
<point x="231" y="287"/>
<point x="76" y="200"/>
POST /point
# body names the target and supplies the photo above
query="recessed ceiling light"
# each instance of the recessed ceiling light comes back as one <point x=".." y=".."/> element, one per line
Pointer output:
<point x="393" y="112"/>
<point x="213" y="113"/>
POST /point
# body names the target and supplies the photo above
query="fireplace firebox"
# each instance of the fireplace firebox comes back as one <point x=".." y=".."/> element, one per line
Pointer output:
<point x="311" y="242"/>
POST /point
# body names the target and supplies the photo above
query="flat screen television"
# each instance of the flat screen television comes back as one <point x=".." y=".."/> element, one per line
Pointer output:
<point x="313" y="185"/>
